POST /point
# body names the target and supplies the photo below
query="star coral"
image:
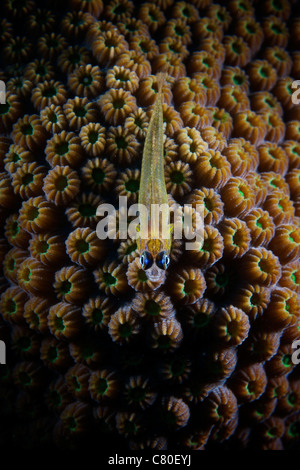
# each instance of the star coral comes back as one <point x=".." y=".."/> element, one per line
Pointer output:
<point x="97" y="352"/>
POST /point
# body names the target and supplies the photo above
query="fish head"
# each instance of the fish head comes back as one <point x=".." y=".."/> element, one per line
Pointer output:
<point x="155" y="260"/>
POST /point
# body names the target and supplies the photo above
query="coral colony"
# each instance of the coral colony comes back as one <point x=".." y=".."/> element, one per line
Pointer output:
<point x="96" y="351"/>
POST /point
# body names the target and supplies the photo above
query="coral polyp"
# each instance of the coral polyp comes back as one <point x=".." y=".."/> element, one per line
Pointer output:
<point x="100" y="354"/>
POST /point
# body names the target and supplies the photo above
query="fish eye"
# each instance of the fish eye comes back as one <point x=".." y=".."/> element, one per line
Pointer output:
<point x="162" y="260"/>
<point x="146" y="260"/>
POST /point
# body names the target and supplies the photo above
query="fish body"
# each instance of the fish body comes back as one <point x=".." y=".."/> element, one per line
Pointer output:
<point x="154" y="248"/>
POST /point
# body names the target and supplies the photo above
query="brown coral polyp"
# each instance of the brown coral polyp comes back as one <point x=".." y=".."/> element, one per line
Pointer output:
<point x="262" y="266"/>
<point x="37" y="215"/>
<point x="124" y="325"/>
<point x="64" y="149"/>
<point x="72" y="284"/>
<point x="84" y="247"/>
<point x="212" y="169"/>
<point x="29" y="133"/>
<point x="61" y="185"/>
<point x="34" y="277"/>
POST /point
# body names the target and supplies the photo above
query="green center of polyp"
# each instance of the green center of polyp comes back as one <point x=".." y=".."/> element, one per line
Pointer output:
<point x="272" y="432"/>
<point x="238" y="80"/>
<point x="61" y="183"/>
<point x="130" y="428"/>
<point x="208" y="204"/>
<point x="26" y="274"/>
<point x="152" y="308"/>
<point x="125" y="330"/>
<point x="42" y="247"/>
<point x="77" y="21"/>
<point x="76" y="383"/>
<point x="82" y="246"/>
<point x="15" y="158"/>
<point x="294" y="237"/>
<point x="142" y="276"/>
<point x="251" y="387"/>
<point x="206" y="62"/>
<point x="189" y="286"/>
<point x="118" y="103"/>
<point x="71" y="423"/>
<point x="32" y="213"/>
<point x="177" y="177"/>
<point x="55" y="398"/>
<point x="137" y="394"/>
<point x="52" y="117"/>
<point x="144" y="47"/>
<point x="62" y="148"/>
<point x="65" y="287"/>
<point x="41" y="70"/>
<point x="93" y="137"/>
<point x="236" y="48"/>
<point x="11" y="264"/>
<point x="59" y="323"/>
<point x="276" y="29"/>
<point x="87" y="351"/>
<point x="102" y="386"/>
<point x="220" y="116"/>
<point x="251" y="28"/>
<point x="75" y="58"/>
<point x="277" y="5"/>
<point x="109" y="279"/>
<point x="27" y="129"/>
<point x="186" y="12"/>
<point x="80" y="111"/>
<point x="264" y="266"/>
<point x="201" y="320"/>
<point x="132" y="186"/>
<point x="264" y="72"/>
<point x="237" y="238"/>
<point x="98" y="175"/>
<point x="295" y="277"/>
<point x="286" y="360"/>
<point x="11" y="306"/>
<point x="255" y="299"/>
<point x="294" y="429"/>
<point x="232" y="328"/>
<point x="25" y="378"/>
<point x="177" y="367"/>
<point x="121" y="142"/>
<point x="164" y="342"/>
<point x="49" y="92"/>
<point x="87" y="210"/>
<point x="207" y="245"/>
<point x="221" y="280"/>
<point x="259" y="223"/>
<point x="15" y="229"/>
<point x="52" y="354"/>
<point x="97" y="316"/>
<point x="27" y="179"/>
<point x="35" y="319"/>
